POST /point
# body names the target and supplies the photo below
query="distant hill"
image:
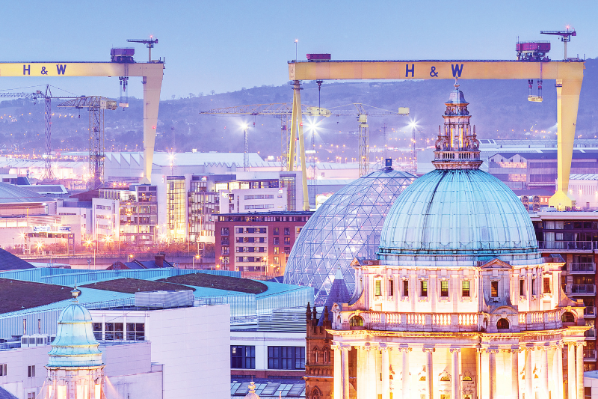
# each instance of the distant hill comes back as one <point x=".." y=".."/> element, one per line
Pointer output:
<point x="499" y="109"/>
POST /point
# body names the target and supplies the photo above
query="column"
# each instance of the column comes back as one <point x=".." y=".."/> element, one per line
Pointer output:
<point x="529" y="378"/>
<point x="571" y="391"/>
<point x="455" y="378"/>
<point x="345" y="376"/>
<point x="385" y="372"/>
<point x="515" y="373"/>
<point x="406" y="376"/>
<point x="361" y="372"/>
<point x="544" y="388"/>
<point x="557" y="372"/>
<point x="429" y="372"/>
<point x="492" y="359"/>
<point x="337" y="387"/>
<point x="371" y="385"/>
<point x="579" y="364"/>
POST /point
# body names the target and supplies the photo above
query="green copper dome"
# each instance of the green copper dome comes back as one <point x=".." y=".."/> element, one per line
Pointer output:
<point x="75" y="344"/>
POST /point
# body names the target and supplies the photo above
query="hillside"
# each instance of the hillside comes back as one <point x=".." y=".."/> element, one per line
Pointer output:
<point x="500" y="109"/>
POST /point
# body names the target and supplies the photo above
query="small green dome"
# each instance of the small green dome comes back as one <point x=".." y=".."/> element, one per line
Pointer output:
<point x="75" y="344"/>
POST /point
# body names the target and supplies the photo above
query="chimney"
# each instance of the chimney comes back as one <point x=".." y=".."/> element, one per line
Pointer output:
<point x="160" y="260"/>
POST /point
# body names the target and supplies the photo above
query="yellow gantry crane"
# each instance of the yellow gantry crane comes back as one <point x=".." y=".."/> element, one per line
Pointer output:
<point x="282" y="110"/>
<point x="362" y="111"/>
<point x="568" y="75"/>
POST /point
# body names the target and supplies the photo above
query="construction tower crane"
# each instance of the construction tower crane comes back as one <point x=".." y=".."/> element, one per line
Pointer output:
<point x="47" y="96"/>
<point x="362" y="114"/>
<point x="96" y="106"/>
<point x="565" y="37"/>
<point x="273" y="109"/>
<point x="149" y="43"/>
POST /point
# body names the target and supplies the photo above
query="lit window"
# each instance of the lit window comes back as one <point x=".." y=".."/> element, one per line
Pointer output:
<point x="378" y="287"/>
<point x="424" y="288"/>
<point x="494" y="289"/>
<point x="465" y="288"/>
<point x="547" y="285"/>
<point x="444" y="288"/>
<point x="276" y="250"/>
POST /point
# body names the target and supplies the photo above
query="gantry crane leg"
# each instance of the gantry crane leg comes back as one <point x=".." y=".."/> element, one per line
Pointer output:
<point x="364" y="147"/>
<point x="567" y="91"/>
<point x="151" y="102"/>
<point x="296" y="110"/>
<point x="48" y="174"/>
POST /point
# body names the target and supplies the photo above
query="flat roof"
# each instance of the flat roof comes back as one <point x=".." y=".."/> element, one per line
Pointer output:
<point x="133" y="285"/>
<point x="16" y="295"/>
<point x="218" y="282"/>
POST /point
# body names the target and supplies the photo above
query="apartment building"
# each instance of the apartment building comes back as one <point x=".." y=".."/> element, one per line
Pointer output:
<point x="259" y="243"/>
<point x="574" y="236"/>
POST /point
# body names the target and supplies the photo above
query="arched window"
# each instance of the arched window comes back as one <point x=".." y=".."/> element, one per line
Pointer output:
<point x="326" y="355"/>
<point x="568" y="317"/>
<point x="315" y="393"/>
<point x="422" y="378"/>
<point x="445" y="377"/>
<point x="356" y="321"/>
<point x="467" y="378"/>
<point x="314" y="355"/>
<point x="502" y="324"/>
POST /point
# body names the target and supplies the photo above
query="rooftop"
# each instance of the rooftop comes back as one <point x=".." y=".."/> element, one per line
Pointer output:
<point x="18" y="295"/>
<point x="219" y="282"/>
<point x="133" y="285"/>
<point x="266" y="389"/>
<point x="9" y="261"/>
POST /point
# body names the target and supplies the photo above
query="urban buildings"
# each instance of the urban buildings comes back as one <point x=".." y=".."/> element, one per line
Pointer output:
<point x="259" y="243"/>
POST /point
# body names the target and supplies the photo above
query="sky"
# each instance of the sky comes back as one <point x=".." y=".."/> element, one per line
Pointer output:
<point x="226" y="45"/>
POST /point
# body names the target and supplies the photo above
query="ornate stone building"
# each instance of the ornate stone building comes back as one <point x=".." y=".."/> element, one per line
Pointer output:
<point x="459" y="303"/>
<point x="75" y="367"/>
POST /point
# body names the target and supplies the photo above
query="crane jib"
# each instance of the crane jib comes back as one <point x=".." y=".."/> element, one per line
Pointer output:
<point x="43" y="70"/>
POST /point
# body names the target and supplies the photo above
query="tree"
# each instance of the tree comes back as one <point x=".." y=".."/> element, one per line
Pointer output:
<point x="212" y="92"/>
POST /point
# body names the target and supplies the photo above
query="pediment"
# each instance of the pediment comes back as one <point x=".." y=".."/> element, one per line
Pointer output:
<point x="496" y="264"/>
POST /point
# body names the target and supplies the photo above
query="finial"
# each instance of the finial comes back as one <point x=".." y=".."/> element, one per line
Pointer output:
<point x="75" y="292"/>
<point x="456" y="83"/>
<point x="252" y="387"/>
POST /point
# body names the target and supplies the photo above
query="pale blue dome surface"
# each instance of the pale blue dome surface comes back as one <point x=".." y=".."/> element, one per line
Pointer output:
<point x="75" y="344"/>
<point x="457" y="212"/>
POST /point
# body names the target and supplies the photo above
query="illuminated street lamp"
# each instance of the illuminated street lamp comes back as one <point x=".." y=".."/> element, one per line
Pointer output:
<point x="195" y="257"/>
<point x="39" y="246"/>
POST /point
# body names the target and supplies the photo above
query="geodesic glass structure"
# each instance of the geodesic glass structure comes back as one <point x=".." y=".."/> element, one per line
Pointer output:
<point x="346" y="226"/>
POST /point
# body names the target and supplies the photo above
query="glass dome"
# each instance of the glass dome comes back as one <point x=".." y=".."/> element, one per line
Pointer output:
<point x="463" y="212"/>
<point x="346" y="226"/>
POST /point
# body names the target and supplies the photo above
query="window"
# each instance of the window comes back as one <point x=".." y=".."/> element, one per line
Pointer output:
<point x="405" y="287"/>
<point x="568" y="317"/>
<point x="547" y="285"/>
<point x="502" y="324"/>
<point x="286" y="357"/>
<point x="135" y="332"/>
<point x="287" y="241"/>
<point x="424" y="288"/>
<point x="465" y="288"/>
<point x="242" y="357"/>
<point x="276" y="260"/>
<point x="391" y="287"/>
<point x="3" y="369"/>
<point x="276" y="250"/>
<point x="287" y="231"/>
<point x="113" y="331"/>
<point x="276" y="231"/>
<point x="224" y="231"/>
<point x="30" y="371"/>
<point x="522" y="287"/>
<point x="30" y="395"/>
<point x="276" y="241"/>
<point x="444" y="288"/>
<point x="378" y="287"/>
<point x="533" y="286"/>
<point x="97" y="331"/>
<point x="356" y="321"/>
<point x="494" y="289"/>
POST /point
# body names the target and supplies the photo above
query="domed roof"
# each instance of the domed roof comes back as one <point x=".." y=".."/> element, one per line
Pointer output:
<point x="11" y="194"/>
<point x="457" y="212"/>
<point x="346" y="226"/>
<point x="75" y="344"/>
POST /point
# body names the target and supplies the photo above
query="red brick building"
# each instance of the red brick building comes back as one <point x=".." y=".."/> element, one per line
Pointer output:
<point x="257" y="243"/>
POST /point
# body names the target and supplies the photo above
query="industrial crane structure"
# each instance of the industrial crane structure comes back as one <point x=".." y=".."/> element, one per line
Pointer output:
<point x="151" y="74"/>
<point x="149" y="43"/>
<point x="565" y="37"/>
<point x="274" y="109"/>
<point x="96" y="106"/>
<point x="362" y="112"/>
<point x="568" y="75"/>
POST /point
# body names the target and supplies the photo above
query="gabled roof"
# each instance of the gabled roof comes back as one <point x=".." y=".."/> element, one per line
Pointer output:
<point x="9" y="261"/>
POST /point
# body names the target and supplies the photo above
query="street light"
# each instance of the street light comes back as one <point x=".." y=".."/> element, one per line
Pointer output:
<point x="195" y="257"/>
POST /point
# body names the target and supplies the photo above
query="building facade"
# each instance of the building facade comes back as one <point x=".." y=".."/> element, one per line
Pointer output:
<point x="257" y="242"/>
<point x="459" y="302"/>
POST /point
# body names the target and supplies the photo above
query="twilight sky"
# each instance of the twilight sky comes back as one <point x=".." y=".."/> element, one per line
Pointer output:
<point x="226" y="45"/>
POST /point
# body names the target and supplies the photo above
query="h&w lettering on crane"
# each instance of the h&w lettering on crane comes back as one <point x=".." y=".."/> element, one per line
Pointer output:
<point x="61" y="69"/>
<point x="457" y="69"/>
<point x="407" y="70"/>
<point x="27" y="69"/>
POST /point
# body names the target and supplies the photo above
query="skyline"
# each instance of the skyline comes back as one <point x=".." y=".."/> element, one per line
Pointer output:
<point x="225" y="48"/>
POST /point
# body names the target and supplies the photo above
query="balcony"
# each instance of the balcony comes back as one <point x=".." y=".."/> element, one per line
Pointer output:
<point x="566" y="246"/>
<point x="591" y="333"/>
<point x="589" y="312"/>
<point x="583" y="289"/>
<point x="582" y="268"/>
